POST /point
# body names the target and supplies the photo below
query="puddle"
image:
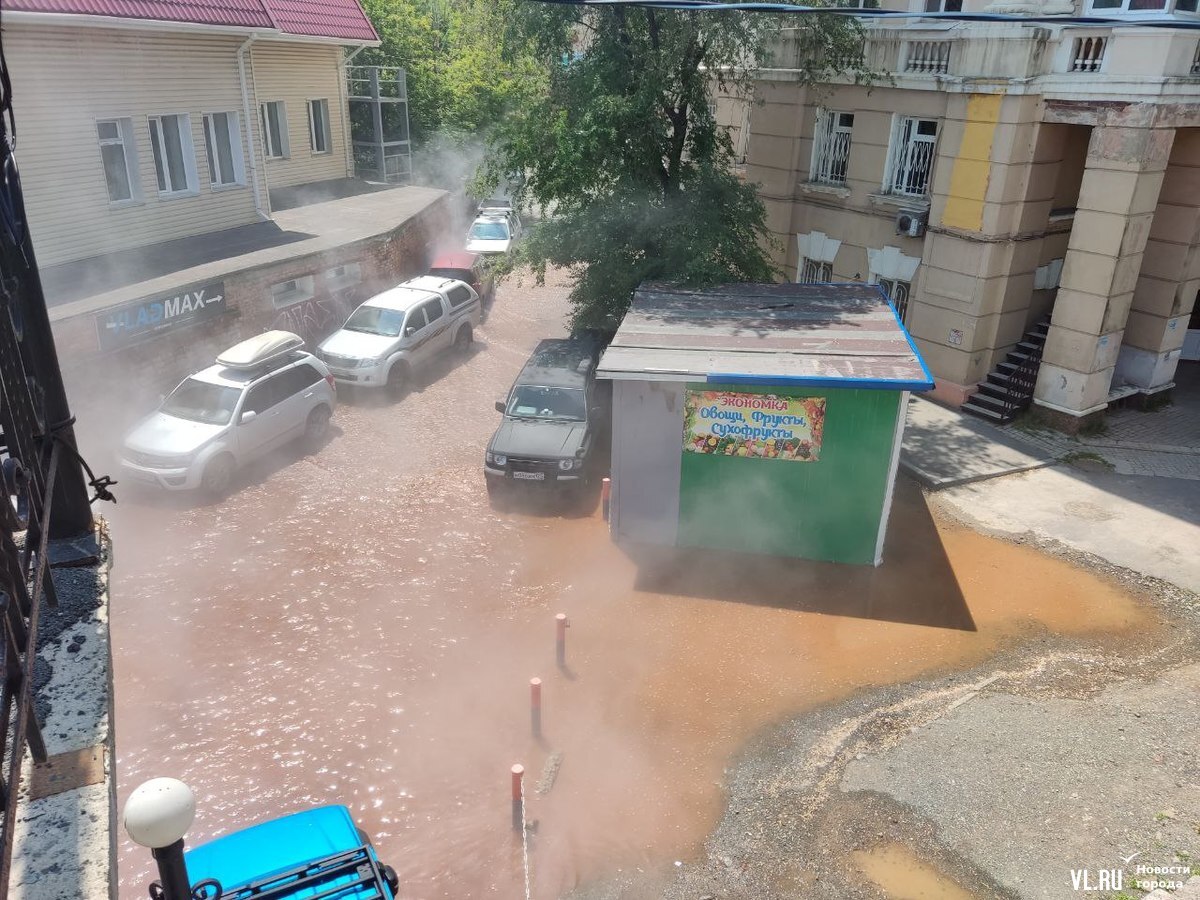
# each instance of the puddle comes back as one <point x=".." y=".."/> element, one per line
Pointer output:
<point x="897" y="871"/>
<point x="359" y="627"/>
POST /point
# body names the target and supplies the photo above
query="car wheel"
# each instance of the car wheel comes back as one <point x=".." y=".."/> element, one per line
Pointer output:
<point x="462" y="340"/>
<point x="317" y="427"/>
<point x="218" y="475"/>
<point x="397" y="380"/>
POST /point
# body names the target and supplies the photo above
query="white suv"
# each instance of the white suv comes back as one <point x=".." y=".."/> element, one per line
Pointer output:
<point x="396" y="333"/>
<point x="261" y="394"/>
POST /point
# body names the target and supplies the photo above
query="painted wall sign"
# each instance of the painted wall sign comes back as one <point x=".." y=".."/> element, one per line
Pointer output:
<point x="758" y="425"/>
<point x="126" y="324"/>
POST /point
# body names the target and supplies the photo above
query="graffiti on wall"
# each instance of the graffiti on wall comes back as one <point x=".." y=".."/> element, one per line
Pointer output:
<point x="317" y="317"/>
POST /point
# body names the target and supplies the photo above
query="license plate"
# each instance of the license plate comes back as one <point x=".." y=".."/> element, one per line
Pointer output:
<point x="530" y="476"/>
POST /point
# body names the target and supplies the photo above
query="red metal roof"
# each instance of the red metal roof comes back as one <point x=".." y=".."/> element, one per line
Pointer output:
<point x="323" y="18"/>
<point x="339" y="19"/>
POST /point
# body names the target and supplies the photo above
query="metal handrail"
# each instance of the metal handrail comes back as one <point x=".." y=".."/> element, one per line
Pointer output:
<point x="1021" y="384"/>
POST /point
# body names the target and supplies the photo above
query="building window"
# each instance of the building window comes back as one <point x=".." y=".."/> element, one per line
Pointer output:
<point x="911" y="157"/>
<point x="174" y="158"/>
<point x="318" y="125"/>
<point x="897" y="291"/>
<point x="831" y="147"/>
<point x="287" y="293"/>
<point x="274" y="129"/>
<point x="1142" y="6"/>
<point x="814" y="271"/>
<point x="223" y="146"/>
<point x="937" y="6"/>
<point x="119" y="159"/>
<point x="343" y="276"/>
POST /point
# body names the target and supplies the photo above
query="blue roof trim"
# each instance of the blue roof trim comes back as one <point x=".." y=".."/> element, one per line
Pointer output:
<point x="911" y="345"/>
<point x="859" y="384"/>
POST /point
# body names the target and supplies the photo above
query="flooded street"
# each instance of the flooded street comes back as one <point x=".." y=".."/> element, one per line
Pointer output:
<point x="358" y="626"/>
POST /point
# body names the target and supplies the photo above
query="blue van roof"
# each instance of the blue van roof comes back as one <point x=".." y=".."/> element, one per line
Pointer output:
<point x="277" y="846"/>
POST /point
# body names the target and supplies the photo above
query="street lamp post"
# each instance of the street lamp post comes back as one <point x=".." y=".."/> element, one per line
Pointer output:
<point x="157" y="815"/>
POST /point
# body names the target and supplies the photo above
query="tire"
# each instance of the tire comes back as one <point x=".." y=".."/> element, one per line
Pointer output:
<point x="317" y="427"/>
<point x="218" y="475"/>
<point x="462" y="340"/>
<point x="397" y="380"/>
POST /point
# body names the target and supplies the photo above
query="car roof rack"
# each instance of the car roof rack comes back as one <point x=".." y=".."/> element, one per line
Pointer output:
<point x="349" y="874"/>
<point x="261" y="350"/>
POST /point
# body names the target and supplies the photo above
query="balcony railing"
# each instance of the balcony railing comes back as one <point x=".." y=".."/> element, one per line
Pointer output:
<point x="1087" y="53"/>
<point x="927" y="57"/>
<point x="912" y="169"/>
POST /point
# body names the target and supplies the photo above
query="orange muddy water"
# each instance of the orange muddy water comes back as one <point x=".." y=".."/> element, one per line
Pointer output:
<point x="902" y="876"/>
<point x="358" y="626"/>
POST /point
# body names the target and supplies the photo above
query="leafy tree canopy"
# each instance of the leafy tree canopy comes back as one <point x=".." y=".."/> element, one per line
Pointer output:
<point x="618" y="142"/>
<point x="459" y="83"/>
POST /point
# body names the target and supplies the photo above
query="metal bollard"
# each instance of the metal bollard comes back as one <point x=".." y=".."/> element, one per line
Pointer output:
<point x="518" y="811"/>
<point x="535" y="706"/>
<point x="605" y="496"/>
<point x="560" y="639"/>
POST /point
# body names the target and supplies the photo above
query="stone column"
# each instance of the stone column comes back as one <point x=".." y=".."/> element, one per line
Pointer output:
<point x="1117" y="198"/>
<point x="1170" y="275"/>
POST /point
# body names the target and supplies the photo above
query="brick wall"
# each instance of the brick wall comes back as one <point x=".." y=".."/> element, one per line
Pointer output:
<point x="109" y="390"/>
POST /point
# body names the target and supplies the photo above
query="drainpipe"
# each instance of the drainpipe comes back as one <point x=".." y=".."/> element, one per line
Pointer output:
<point x="347" y="129"/>
<point x="241" y="58"/>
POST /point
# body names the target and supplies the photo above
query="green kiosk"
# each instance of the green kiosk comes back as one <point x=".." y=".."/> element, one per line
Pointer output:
<point x="763" y="418"/>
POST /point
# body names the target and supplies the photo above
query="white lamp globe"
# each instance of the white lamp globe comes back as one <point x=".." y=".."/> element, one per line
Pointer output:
<point x="159" y="812"/>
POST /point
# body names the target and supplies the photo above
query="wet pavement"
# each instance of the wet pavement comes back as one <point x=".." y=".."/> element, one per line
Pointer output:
<point x="358" y="626"/>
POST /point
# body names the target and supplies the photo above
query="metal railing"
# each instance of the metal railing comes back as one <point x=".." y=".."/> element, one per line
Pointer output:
<point x="912" y="168"/>
<point x="831" y="157"/>
<point x="927" y="57"/>
<point x="1021" y="384"/>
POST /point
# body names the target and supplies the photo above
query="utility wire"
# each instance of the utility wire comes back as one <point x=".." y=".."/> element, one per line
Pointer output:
<point x="860" y="12"/>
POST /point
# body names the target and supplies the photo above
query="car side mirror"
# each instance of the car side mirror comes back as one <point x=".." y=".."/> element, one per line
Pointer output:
<point x="410" y="330"/>
<point x="247" y="417"/>
<point x="500" y="407"/>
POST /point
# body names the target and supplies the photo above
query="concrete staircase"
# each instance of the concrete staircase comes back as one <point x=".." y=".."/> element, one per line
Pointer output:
<point x="1009" y="387"/>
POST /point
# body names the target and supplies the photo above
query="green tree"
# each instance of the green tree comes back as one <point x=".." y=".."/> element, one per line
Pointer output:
<point x="459" y="81"/>
<point x="621" y="145"/>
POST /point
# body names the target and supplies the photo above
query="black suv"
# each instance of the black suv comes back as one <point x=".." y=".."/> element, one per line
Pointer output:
<point x="553" y="419"/>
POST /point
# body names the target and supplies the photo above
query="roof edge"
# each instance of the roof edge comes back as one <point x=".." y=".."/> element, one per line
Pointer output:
<point x="20" y="16"/>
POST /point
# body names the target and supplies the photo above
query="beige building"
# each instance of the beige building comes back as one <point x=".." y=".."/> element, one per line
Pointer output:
<point x="1027" y="194"/>
<point x="144" y="122"/>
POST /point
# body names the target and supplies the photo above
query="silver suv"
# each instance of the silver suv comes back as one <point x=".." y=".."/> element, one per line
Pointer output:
<point x="394" y="334"/>
<point x="260" y="395"/>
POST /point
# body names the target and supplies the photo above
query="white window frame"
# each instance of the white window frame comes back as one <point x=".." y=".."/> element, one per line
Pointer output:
<point x="938" y="6"/>
<point x="831" y="133"/>
<point x="343" y="276"/>
<point x="905" y="136"/>
<point x="312" y="127"/>
<point x="293" y="291"/>
<point x="235" y="151"/>
<point x="128" y="144"/>
<point x="1170" y="7"/>
<point x="186" y="148"/>
<point x="814" y="271"/>
<point x="284" y="147"/>
<point x="899" y="292"/>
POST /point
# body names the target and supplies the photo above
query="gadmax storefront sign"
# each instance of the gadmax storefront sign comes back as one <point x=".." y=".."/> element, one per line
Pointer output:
<point x="767" y="426"/>
<point x="131" y="322"/>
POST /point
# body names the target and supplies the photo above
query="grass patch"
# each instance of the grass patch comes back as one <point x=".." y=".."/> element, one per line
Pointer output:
<point x="1090" y="459"/>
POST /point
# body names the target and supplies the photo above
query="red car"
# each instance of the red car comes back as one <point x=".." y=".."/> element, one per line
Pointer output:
<point x="462" y="265"/>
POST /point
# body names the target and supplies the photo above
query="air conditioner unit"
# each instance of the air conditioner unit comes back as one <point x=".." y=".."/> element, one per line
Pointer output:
<point x="910" y="223"/>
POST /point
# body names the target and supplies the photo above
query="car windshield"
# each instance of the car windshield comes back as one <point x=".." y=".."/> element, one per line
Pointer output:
<point x="200" y="401"/>
<point x="531" y="402"/>
<point x="489" y="231"/>
<point x="376" y="320"/>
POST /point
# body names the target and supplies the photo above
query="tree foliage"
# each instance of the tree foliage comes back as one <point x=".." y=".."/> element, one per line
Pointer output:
<point x="620" y="143"/>
<point x="459" y="82"/>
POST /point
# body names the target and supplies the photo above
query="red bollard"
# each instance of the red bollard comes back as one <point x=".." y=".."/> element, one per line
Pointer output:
<point x="605" y="496"/>
<point x="518" y="803"/>
<point x="535" y="706"/>
<point x="560" y="639"/>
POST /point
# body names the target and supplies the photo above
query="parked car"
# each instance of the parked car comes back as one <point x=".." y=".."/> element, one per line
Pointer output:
<point x="316" y="853"/>
<point x="470" y="268"/>
<point x="553" y="416"/>
<point x="395" y="334"/>
<point x="493" y="233"/>
<point x="260" y="395"/>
